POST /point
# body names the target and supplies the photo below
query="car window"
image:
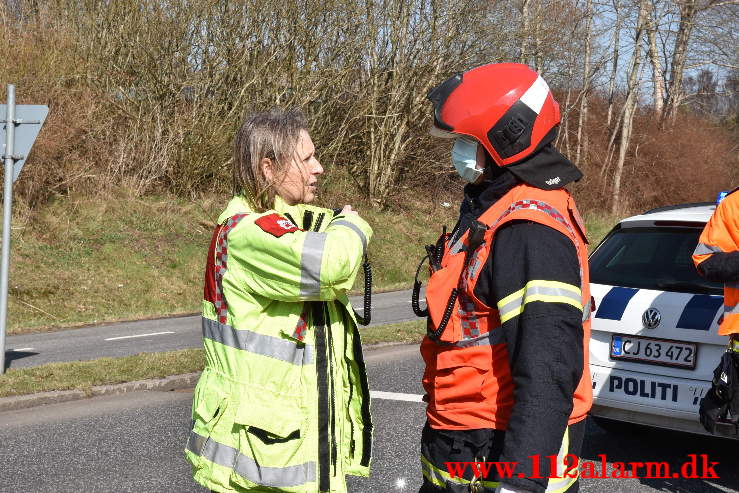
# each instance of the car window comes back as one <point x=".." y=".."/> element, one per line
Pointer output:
<point x="650" y="258"/>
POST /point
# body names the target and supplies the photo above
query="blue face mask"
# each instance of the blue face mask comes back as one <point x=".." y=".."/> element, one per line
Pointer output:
<point x="464" y="158"/>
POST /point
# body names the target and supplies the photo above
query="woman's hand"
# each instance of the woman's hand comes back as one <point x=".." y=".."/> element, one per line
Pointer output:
<point x="347" y="209"/>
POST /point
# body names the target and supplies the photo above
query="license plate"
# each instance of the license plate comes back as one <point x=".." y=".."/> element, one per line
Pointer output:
<point x="653" y="351"/>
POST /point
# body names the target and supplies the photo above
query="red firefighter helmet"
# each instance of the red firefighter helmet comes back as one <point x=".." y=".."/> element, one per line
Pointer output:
<point x="506" y="107"/>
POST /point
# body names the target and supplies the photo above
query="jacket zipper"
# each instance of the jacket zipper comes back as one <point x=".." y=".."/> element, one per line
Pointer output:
<point x="322" y="379"/>
<point x="332" y="416"/>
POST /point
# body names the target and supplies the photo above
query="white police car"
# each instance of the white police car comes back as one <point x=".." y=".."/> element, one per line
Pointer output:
<point x="654" y="342"/>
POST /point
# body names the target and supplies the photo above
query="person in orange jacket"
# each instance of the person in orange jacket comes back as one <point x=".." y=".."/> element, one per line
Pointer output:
<point x="717" y="259"/>
<point x="508" y="300"/>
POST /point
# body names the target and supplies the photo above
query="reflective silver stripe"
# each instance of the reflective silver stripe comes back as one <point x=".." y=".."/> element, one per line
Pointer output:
<point x="472" y="269"/>
<point x="195" y="443"/>
<point x="310" y="264"/>
<point x="222" y="455"/>
<point x="246" y="467"/>
<point x="277" y="477"/>
<point x="246" y="340"/>
<point x="703" y="249"/>
<point x="356" y="229"/>
<point x="495" y="336"/>
<point x="731" y="310"/>
<point x="538" y="290"/>
<point x="457" y="246"/>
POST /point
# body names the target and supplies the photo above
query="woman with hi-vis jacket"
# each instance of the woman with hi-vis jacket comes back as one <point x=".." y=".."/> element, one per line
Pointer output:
<point x="508" y="299"/>
<point x="283" y="401"/>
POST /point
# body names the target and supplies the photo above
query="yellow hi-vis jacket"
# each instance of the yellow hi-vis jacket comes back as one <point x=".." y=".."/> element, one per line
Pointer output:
<point x="283" y="401"/>
<point x="721" y="235"/>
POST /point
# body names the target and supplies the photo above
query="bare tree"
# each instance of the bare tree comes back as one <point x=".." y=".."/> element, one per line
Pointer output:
<point x="688" y="10"/>
<point x="582" y="138"/>
<point x="539" y="33"/>
<point x="525" y="21"/>
<point x="658" y="81"/>
<point x="162" y="84"/>
<point x="614" y="59"/>
<point x="629" y="105"/>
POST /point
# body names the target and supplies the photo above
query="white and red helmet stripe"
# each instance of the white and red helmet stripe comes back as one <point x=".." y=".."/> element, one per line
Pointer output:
<point x="535" y="95"/>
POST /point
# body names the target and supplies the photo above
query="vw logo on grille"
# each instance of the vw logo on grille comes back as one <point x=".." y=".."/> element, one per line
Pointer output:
<point x="651" y="318"/>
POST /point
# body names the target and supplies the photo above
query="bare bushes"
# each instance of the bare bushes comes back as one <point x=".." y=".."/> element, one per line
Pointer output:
<point x="690" y="161"/>
<point x="167" y="82"/>
<point x="148" y="93"/>
<point x="38" y="56"/>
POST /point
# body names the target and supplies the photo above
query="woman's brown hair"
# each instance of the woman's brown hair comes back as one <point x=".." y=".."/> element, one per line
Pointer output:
<point x="274" y="135"/>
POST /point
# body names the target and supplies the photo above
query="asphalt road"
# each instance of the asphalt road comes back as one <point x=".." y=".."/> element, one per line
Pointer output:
<point x="134" y="442"/>
<point x="165" y="334"/>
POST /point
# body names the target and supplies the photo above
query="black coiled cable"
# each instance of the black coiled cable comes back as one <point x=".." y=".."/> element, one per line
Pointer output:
<point x="417" y="291"/>
<point x="367" y="317"/>
<point x="415" y="305"/>
<point x="435" y="334"/>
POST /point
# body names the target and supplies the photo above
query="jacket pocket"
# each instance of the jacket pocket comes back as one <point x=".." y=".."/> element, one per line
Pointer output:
<point x="458" y="383"/>
<point x="209" y="408"/>
<point x="272" y="437"/>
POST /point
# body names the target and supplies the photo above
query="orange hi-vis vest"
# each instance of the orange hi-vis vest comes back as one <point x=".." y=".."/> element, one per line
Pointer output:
<point x="721" y="235"/>
<point x="467" y="378"/>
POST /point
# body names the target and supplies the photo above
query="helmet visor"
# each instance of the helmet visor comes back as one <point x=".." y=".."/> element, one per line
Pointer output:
<point x="438" y="96"/>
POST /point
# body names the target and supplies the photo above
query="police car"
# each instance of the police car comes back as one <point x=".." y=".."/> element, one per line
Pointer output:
<point x="654" y="342"/>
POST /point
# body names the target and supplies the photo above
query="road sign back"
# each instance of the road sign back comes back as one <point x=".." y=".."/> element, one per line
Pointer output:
<point x="28" y="122"/>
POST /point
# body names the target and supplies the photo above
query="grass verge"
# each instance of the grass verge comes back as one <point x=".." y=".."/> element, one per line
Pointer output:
<point x="83" y="375"/>
<point x="87" y="260"/>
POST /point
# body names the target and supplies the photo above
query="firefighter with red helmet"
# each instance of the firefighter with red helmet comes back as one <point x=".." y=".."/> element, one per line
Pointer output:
<point x="508" y="300"/>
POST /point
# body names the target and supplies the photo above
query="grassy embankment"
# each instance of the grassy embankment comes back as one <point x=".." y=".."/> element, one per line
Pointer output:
<point x="82" y="261"/>
<point x="85" y="261"/>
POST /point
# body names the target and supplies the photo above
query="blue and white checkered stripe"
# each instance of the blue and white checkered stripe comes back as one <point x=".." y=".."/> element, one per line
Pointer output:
<point x="698" y="313"/>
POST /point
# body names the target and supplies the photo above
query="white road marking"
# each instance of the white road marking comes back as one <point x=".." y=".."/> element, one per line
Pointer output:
<point x="396" y="396"/>
<point x="719" y="487"/>
<point x="138" y="335"/>
<point x="21" y="349"/>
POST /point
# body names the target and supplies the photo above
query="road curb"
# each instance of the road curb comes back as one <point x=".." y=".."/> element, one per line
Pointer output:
<point x="173" y="382"/>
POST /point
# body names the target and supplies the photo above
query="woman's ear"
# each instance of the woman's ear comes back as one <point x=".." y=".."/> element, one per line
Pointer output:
<point x="265" y="165"/>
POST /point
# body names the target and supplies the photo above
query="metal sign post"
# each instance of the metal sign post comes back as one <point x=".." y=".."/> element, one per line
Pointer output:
<point x="29" y="120"/>
<point x="7" y="204"/>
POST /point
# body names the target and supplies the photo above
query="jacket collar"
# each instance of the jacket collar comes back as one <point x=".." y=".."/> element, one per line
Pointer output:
<point x="479" y="198"/>
<point x="239" y="204"/>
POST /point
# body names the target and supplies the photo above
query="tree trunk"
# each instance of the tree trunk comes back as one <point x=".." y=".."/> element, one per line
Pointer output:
<point x="523" y="57"/>
<point x="582" y="137"/>
<point x="658" y="81"/>
<point x="565" y="133"/>
<point x="537" y="28"/>
<point x="614" y="62"/>
<point x="629" y="105"/>
<point x="688" y="10"/>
